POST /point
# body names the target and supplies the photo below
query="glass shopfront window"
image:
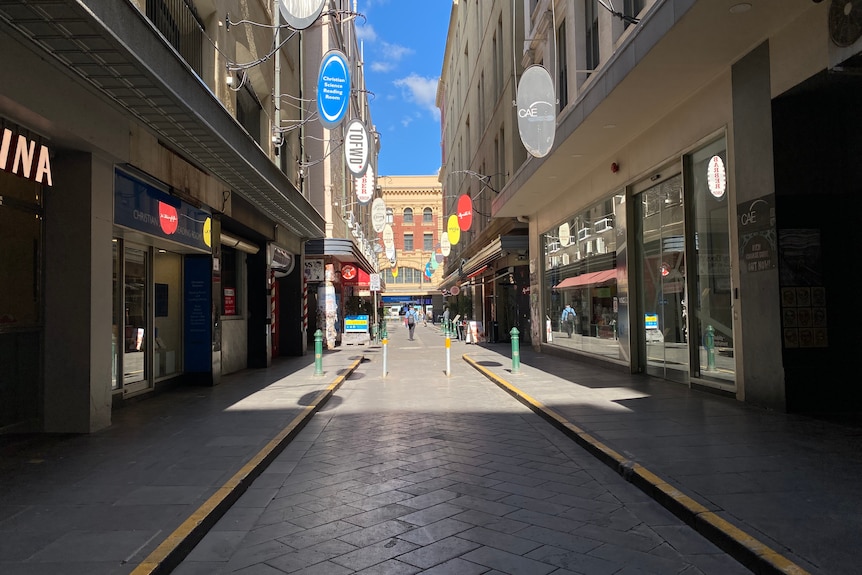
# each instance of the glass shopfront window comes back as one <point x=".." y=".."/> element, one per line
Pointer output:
<point x="20" y="299"/>
<point x="580" y="258"/>
<point x="711" y="309"/>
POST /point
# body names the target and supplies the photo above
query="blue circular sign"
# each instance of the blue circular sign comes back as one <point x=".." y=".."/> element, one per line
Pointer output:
<point x="333" y="89"/>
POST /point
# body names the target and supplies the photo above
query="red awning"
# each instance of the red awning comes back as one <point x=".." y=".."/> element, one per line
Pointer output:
<point x="362" y="279"/>
<point x="592" y="278"/>
<point x="477" y="272"/>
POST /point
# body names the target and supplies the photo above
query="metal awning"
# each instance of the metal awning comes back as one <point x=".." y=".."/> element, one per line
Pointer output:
<point x="345" y="251"/>
<point x="114" y="48"/>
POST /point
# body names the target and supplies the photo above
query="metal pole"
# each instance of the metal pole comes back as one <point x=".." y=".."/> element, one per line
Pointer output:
<point x="385" y="349"/>
<point x="318" y="352"/>
<point x="516" y="353"/>
<point x="448" y="356"/>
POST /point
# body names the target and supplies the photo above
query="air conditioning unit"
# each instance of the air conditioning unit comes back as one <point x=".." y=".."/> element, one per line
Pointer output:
<point x="584" y="233"/>
<point x="604" y="225"/>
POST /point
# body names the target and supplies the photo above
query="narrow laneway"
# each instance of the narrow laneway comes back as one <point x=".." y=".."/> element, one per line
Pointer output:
<point x="423" y="472"/>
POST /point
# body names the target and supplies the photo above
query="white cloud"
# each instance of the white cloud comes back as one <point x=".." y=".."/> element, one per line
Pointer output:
<point x="366" y="32"/>
<point x="382" y="66"/>
<point x="406" y="121"/>
<point x="422" y="91"/>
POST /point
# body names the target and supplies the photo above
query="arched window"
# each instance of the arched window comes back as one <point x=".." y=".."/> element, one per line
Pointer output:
<point x="427" y="216"/>
<point x="408" y="215"/>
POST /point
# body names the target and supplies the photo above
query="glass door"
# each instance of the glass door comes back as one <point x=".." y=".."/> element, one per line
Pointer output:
<point x="662" y="295"/>
<point x="135" y="359"/>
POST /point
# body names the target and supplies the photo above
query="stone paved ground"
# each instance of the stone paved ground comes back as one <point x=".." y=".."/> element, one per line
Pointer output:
<point x="418" y="472"/>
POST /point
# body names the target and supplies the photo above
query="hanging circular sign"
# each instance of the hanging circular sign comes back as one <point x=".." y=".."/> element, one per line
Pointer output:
<point x="428" y="271"/>
<point x="300" y="14"/>
<point x="390" y="253"/>
<point x="378" y="214"/>
<point x="537" y="119"/>
<point x="348" y="271"/>
<point x="465" y="212"/>
<point x="333" y="89"/>
<point x="454" y="290"/>
<point x="565" y="234"/>
<point x="434" y="263"/>
<point x="453" y="230"/>
<point x="394" y="269"/>
<point x="356" y="147"/>
<point x="439" y="257"/>
<point x="365" y="187"/>
<point x="445" y="244"/>
<point x="388" y="237"/>
<point x="716" y="177"/>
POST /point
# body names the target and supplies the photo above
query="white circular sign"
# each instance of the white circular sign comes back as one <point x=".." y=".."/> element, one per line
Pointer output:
<point x="716" y="176"/>
<point x="356" y="147"/>
<point x="388" y="237"/>
<point x="565" y="234"/>
<point x="300" y="14"/>
<point x="365" y="186"/>
<point x="537" y="111"/>
<point x="378" y="214"/>
<point x="445" y="245"/>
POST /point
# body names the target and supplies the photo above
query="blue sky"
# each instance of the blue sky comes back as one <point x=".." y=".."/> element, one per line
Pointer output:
<point x="403" y="44"/>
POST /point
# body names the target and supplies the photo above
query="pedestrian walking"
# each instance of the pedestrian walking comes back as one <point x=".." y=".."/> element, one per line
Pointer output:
<point x="567" y="319"/>
<point x="410" y="319"/>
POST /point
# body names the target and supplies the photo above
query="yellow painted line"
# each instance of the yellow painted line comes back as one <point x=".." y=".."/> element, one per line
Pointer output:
<point x="188" y="528"/>
<point x="667" y="493"/>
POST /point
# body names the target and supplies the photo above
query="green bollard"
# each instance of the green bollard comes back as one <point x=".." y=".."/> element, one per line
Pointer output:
<point x="709" y="344"/>
<point x="318" y="352"/>
<point x="516" y="352"/>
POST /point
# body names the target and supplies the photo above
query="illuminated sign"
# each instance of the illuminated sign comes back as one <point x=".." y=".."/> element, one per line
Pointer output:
<point x="23" y="157"/>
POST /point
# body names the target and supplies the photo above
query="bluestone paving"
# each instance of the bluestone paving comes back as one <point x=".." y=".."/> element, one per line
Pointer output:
<point x="415" y="471"/>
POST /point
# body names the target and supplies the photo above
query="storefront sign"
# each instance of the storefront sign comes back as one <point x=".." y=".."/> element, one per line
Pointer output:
<point x="757" y="234"/>
<point x="453" y="230"/>
<point x="445" y="245"/>
<point x="716" y="177"/>
<point x="536" y="111"/>
<point x="22" y="157"/>
<point x="333" y="89"/>
<point x="356" y="147"/>
<point x="465" y="212"/>
<point x="348" y="272"/>
<point x="300" y="14"/>
<point x="355" y="323"/>
<point x="378" y="214"/>
<point x="198" y="339"/>
<point x="365" y="186"/>
<point x="144" y="208"/>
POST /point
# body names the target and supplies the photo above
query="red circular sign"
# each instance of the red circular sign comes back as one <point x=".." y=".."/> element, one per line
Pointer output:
<point x="168" y="219"/>
<point x="348" y="272"/>
<point x="465" y="212"/>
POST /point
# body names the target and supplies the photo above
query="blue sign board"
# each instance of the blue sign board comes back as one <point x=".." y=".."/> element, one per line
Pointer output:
<point x="355" y="323"/>
<point x="333" y="89"/>
<point x="144" y="208"/>
<point x="197" y="314"/>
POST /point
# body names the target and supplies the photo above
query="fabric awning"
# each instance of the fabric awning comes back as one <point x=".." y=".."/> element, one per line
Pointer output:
<point x="591" y="278"/>
<point x="477" y="272"/>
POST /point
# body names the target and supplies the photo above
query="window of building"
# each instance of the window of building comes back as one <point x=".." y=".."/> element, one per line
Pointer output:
<point x="427" y="241"/>
<point x="427" y="216"/>
<point x="230" y="280"/>
<point x="580" y="261"/>
<point x="591" y="33"/>
<point x="390" y="216"/>
<point x="631" y="9"/>
<point x="408" y="215"/>
<point x="408" y="242"/>
<point x="562" y="67"/>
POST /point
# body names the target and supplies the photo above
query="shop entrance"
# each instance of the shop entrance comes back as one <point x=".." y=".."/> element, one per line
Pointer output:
<point x="663" y="337"/>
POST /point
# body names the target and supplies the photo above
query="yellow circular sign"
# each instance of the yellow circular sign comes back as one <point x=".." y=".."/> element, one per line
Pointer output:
<point x="453" y="230"/>
<point x="208" y="232"/>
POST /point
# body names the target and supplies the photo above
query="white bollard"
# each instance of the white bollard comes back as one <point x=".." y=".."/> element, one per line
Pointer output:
<point x="385" y="346"/>
<point x="448" y="358"/>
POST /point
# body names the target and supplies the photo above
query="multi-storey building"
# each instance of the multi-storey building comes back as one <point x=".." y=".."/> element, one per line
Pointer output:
<point x="339" y="264"/>
<point x="481" y="151"/>
<point x="687" y="206"/>
<point x="154" y="200"/>
<point x="413" y="212"/>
